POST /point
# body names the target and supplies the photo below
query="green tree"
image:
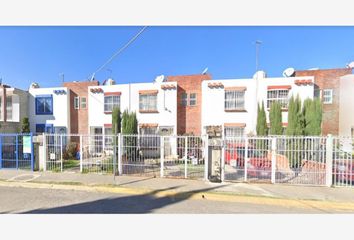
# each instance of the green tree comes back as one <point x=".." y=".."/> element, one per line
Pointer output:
<point x="295" y="117"/>
<point x="116" y="120"/>
<point x="275" y="119"/>
<point x="129" y="123"/>
<point x="25" y="125"/>
<point x="312" y="112"/>
<point x="261" y="127"/>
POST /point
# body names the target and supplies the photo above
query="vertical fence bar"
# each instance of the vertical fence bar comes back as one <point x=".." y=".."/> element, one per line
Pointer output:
<point x="120" y="146"/>
<point x="274" y="159"/>
<point x="185" y="157"/>
<point x="206" y="157"/>
<point x="81" y="153"/>
<point x="162" y="150"/>
<point x="223" y="149"/>
<point x="0" y="151"/>
<point x="329" y="160"/>
<point x="16" y="151"/>
<point x="61" y="153"/>
<point x="44" y="152"/>
<point x="32" y="152"/>
<point x="246" y="159"/>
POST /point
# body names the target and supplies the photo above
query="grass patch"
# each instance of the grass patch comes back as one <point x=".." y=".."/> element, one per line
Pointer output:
<point x="71" y="163"/>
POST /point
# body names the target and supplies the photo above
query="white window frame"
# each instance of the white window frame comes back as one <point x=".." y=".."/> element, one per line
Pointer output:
<point x="83" y="104"/>
<point x="237" y="100"/>
<point x="109" y="106"/>
<point x="284" y="101"/>
<point x="236" y="131"/>
<point x="192" y="99"/>
<point x="330" y="97"/>
<point x="76" y="103"/>
<point x="148" y="102"/>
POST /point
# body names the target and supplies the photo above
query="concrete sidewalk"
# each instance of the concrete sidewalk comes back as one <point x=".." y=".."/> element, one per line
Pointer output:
<point x="145" y="184"/>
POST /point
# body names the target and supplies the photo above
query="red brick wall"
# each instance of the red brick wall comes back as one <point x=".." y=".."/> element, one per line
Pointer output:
<point x="328" y="79"/>
<point x="79" y="117"/>
<point x="189" y="117"/>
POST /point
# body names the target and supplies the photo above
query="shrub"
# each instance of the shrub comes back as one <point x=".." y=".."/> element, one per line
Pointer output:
<point x="70" y="151"/>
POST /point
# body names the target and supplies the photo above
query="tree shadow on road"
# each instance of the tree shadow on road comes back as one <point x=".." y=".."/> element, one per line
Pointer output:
<point x="137" y="204"/>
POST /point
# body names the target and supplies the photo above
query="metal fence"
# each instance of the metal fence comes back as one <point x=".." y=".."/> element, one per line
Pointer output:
<point x="16" y="151"/>
<point x="343" y="163"/>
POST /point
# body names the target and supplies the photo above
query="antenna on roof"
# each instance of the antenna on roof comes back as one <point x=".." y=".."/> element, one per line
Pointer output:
<point x="205" y="71"/>
<point x="62" y="76"/>
<point x="92" y="77"/>
<point x="0" y="80"/>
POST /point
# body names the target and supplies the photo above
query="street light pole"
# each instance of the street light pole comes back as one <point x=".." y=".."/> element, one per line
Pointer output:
<point x="258" y="43"/>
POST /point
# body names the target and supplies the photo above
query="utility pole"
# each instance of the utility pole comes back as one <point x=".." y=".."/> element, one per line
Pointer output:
<point x="62" y="76"/>
<point x="258" y="43"/>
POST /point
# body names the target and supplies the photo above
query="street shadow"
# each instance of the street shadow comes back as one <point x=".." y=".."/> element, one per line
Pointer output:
<point x="136" y="204"/>
<point x="134" y="181"/>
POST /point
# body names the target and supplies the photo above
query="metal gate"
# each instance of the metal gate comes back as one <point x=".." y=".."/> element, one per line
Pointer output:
<point x="184" y="156"/>
<point x="343" y="163"/>
<point x="16" y="151"/>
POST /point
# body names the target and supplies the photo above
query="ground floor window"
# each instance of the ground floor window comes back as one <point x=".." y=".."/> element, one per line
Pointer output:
<point x="108" y="138"/>
<point x="234" y="131"/>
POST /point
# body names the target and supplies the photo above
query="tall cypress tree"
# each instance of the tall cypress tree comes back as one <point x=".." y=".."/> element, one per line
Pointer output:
<point x="116" y="120"/>
<point x="261" y="121"/>
<point x="275" y="119"/>
<point x="295" y="117"/>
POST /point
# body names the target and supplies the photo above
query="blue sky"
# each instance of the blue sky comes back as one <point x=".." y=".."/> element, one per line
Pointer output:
<point x="40" y="54"/>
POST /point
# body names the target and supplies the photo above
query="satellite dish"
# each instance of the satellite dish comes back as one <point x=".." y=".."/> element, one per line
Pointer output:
<point x="288" y="72"/>
<point x="160" y="79"/>
<point x="34" y="85"/>
<point x="205" y="71"/>
<point x="350" y="65"/>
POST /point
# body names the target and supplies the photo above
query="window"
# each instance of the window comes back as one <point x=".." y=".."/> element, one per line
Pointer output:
<point x="234" y="100"/>
<point x="327" y="96"/>
<point x="108" y="139"/>
<point x="76" y="103"/>
<point x="280" y="95"/>
<point x="44" y="105"/>
<point x="9" y="108"/>
<point x="110" y="102"/>
<point x="234" y="131"/>
<point x="47" y="128"/>
<point x="148" y="102"/>
<point x="184" y="100"/>
<point x="148" y="130"/>
<point x="352" y="132"/>
<point x="83" y="103"/>
<point x="192" y="99"/>
<point x="150" y="142"/>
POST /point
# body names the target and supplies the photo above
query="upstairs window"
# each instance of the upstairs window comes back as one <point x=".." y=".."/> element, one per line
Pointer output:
<point x="234" y="100"/>
<point x="110" y="102"/>
<point x="148" y="102"/>
<point x="9" y="108"/>
<point x="184" y="99"/>
<point x="278" y="95"/>
<point x="192" y="99"/>
<point x="83" y="103"/>
<point x="76" y="103"/>
<point x="44" y="105"/>
<point x="327" y="96"/>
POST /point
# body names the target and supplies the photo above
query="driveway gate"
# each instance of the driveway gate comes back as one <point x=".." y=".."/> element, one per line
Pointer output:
<point x="16" y="151"/>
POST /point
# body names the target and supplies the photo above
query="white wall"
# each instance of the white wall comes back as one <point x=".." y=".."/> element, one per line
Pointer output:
<point x="213" y="112"/>
<point x="61" y="110"/>
<point x="346" y="100"/>
<point x="166" y="99"/>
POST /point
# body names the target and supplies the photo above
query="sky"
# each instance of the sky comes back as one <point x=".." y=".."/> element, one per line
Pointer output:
<point x="42" y="54"/>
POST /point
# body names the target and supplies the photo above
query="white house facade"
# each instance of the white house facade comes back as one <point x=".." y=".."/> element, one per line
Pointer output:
<point x="48" y="110"/>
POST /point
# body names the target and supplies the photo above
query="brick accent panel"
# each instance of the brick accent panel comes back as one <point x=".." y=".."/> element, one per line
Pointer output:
<point x="79" y="117"/>
<point x="328" y="79"/>
<point x="189" y="117"/>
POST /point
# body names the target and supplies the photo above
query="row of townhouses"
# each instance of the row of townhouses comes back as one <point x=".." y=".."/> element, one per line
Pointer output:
<point x="185" y="104"/>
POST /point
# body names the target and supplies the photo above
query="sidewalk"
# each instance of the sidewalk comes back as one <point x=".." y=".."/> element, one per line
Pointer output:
<point x="131" y="184"/>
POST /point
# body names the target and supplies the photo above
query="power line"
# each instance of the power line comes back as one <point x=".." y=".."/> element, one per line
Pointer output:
<point x="119" y="51"/>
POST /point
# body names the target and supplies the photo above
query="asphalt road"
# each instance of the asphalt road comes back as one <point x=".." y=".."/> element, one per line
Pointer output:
<point x="35" y="200"/>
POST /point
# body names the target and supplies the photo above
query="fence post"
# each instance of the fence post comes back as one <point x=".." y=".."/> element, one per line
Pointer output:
<point x="81" y="154"/>
<point x="32" y="152"/>
<point x="223" y="148"/>
<point x="162" y="153"/>
<point x="185" y="157"/>
<point x="206" y="157"/>
<point x="61" y="153"/>
<point x="120" y="144"/>
<point x="44" y="152"/>
<point x="246" y="159"/>
<point x="329" y="160"/>
<point x="274" y="158"/>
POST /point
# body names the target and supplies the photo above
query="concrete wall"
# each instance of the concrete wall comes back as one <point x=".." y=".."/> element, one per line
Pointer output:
<point x="346" y="100"/>
<point x="129" y="99"/>
<point x="61" y="111"/>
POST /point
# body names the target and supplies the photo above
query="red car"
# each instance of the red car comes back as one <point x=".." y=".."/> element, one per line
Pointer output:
<point x="343" y="171"/>
<point x="258" y="162"/>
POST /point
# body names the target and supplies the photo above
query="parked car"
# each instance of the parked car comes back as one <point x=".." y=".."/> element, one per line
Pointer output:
<point x="343" y="170"/>
<point x="258" y="162"/>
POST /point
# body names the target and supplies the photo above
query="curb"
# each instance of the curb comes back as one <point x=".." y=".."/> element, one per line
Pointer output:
<point x="324" y="206"/>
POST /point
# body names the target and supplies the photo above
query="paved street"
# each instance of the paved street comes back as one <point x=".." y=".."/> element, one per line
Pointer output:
<point x="35" y="200"/>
